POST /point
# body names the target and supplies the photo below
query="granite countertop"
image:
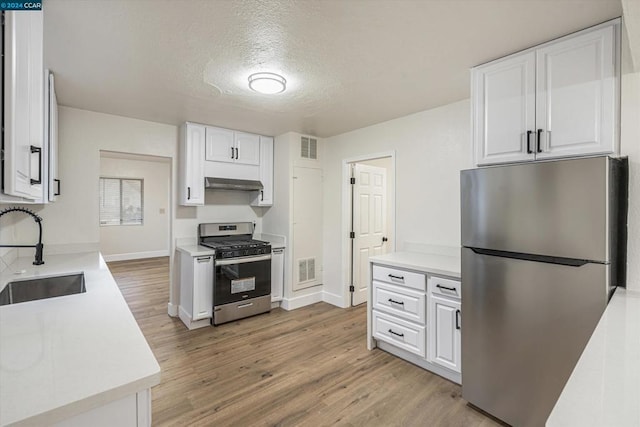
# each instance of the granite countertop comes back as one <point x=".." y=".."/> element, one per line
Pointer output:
<point x="604" y="387"/>
<point x="444" y="265"/>
<point x="66" y="355"/>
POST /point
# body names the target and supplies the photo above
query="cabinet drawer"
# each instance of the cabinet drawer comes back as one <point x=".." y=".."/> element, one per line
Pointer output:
<point x="399" y="332"/>
<point x="446" y="287"/>
<point x="402" y="302"/>
<point x="400" y="277"/>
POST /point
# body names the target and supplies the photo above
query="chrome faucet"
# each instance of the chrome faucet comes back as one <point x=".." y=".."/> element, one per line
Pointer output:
<point x="39" y="245"/>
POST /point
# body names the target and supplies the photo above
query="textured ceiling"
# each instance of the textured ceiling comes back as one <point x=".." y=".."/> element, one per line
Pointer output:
<point x="349" y="63"/>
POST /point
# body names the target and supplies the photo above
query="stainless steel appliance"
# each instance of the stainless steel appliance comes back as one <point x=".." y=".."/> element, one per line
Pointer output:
<point x="242" y="270"/>
<point x="544" y="246"/>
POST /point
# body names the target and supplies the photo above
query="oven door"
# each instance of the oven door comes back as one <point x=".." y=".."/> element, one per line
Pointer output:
<point x="238" y="279"/>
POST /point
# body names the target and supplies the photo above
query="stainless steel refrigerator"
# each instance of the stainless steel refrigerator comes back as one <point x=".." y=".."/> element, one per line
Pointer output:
<point x="543" y="248"/>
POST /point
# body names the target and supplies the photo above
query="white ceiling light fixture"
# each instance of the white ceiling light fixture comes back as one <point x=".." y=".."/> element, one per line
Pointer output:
<point x="267" y="83"/>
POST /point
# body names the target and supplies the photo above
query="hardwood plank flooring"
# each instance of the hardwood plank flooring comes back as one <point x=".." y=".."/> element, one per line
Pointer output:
<point x="305" y="367"/>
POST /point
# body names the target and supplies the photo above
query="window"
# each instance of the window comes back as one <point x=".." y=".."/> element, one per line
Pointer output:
<point x="120" y="201"/>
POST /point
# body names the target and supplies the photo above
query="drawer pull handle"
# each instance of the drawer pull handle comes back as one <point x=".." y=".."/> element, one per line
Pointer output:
<point x="447" y="288"/>
<point x="396" y="277"/>
<point x="391" y="331"/>
<point x="396" y="302"/>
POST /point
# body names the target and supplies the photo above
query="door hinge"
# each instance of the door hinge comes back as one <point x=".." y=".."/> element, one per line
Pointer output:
<point x="352" y="235"/>
<point x="352" y="180"/>
<point x="352" y="288"/>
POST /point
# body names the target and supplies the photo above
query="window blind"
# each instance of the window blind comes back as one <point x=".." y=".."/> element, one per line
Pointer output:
<point x="121" y="201"/>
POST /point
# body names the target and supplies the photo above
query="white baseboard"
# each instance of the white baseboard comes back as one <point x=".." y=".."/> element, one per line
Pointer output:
<point x="135" y="255"/>
<point x="297" y="302"/>
<point x="172" y="309"/>
<point x="334" y="299"/>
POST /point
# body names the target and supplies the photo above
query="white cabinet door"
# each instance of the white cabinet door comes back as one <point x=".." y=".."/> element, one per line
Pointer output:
<point x="192" y="165"/>
<point x="504" y="110"/>
<point x="247" y="148"/>
<point x="277" y="274"/>
<point x="23" y="104"/>
<point x="220" y="145"/>
<point x="54" y="179"/>
<point x="444" y="333"/>
<point x="576" y="95"/>
<point x="264" y="197"/>
<point x="202" y="287"/>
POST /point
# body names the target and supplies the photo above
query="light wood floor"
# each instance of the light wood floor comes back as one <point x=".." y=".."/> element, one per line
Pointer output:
<point x="304" y="367"/>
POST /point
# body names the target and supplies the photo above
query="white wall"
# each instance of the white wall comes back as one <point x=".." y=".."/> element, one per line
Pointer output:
<point x="431" y="148"/>
<point x="74" y="219"/>
<point x="151" y="238"/>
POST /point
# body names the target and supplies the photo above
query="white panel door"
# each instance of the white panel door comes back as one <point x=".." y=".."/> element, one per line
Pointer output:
<point x="369" y="224"/>
<point x="307" y="228"/>
<point x="576" y="103"/>
<point x="504" y="110"/>
<point x="444" y="333"/>
<point x="23" y="104"/>
<point x="202" y="287"/>
<point x="220" y="145"/>
<point x="247" y="148"/>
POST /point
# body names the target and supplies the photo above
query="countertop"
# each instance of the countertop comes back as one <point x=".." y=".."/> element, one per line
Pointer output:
<point x="604" y="387"/>
<point x="444" y="265"/>
<point x="63" y="356"/>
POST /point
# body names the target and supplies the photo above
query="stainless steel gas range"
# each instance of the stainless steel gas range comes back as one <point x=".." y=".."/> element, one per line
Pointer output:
<point x="242" y="270"/>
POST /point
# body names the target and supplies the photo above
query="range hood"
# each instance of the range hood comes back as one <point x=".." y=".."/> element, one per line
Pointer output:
<point x="232" y="184"/>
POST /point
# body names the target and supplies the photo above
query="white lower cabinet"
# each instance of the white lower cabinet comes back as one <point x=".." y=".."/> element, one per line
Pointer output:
<point x="196" y="290"/>
<point x="130" y="411"/>
<point x="416" y="316"/>
<point x="444" y="333"/>
<point x="277" y="274"/>
<point x="406" y="335"/>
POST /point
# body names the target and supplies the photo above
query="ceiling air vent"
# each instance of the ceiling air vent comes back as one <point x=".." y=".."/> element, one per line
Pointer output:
<point x="308" y="148"/>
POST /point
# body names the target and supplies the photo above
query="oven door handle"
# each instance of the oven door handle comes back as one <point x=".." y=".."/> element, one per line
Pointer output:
<point x="243" y="260"/>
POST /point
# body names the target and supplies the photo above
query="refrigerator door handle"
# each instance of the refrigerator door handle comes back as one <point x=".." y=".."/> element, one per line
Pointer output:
<point x="570" y="262"/>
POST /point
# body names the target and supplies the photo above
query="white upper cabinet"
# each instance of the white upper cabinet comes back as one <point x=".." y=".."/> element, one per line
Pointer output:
<point x="504" y="107"/>
<point x="191" y="164"/>
<point x="264" y="197"/>
<point x="220" y="146"/>
<point x="577" y="103"/>
<point x="247" y="148"/>
<point x="23" y="108"/>
<point x="228" y="146"/>
<point x="556" y="100"/>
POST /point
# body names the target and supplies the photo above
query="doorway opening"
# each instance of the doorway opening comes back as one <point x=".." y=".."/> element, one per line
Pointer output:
<point x="135" y="206"/>
<point x="370" y="219"/>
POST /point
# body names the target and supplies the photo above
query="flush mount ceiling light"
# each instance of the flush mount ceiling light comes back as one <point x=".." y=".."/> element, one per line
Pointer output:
<point x="267" y="83"/>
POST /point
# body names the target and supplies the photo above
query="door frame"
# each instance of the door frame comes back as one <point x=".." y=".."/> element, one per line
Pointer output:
<point x="347" y="213"/>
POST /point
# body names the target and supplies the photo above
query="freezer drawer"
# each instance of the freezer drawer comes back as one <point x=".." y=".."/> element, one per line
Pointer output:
<point x="525" y="326"/>
<point x="559" y="208"/>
